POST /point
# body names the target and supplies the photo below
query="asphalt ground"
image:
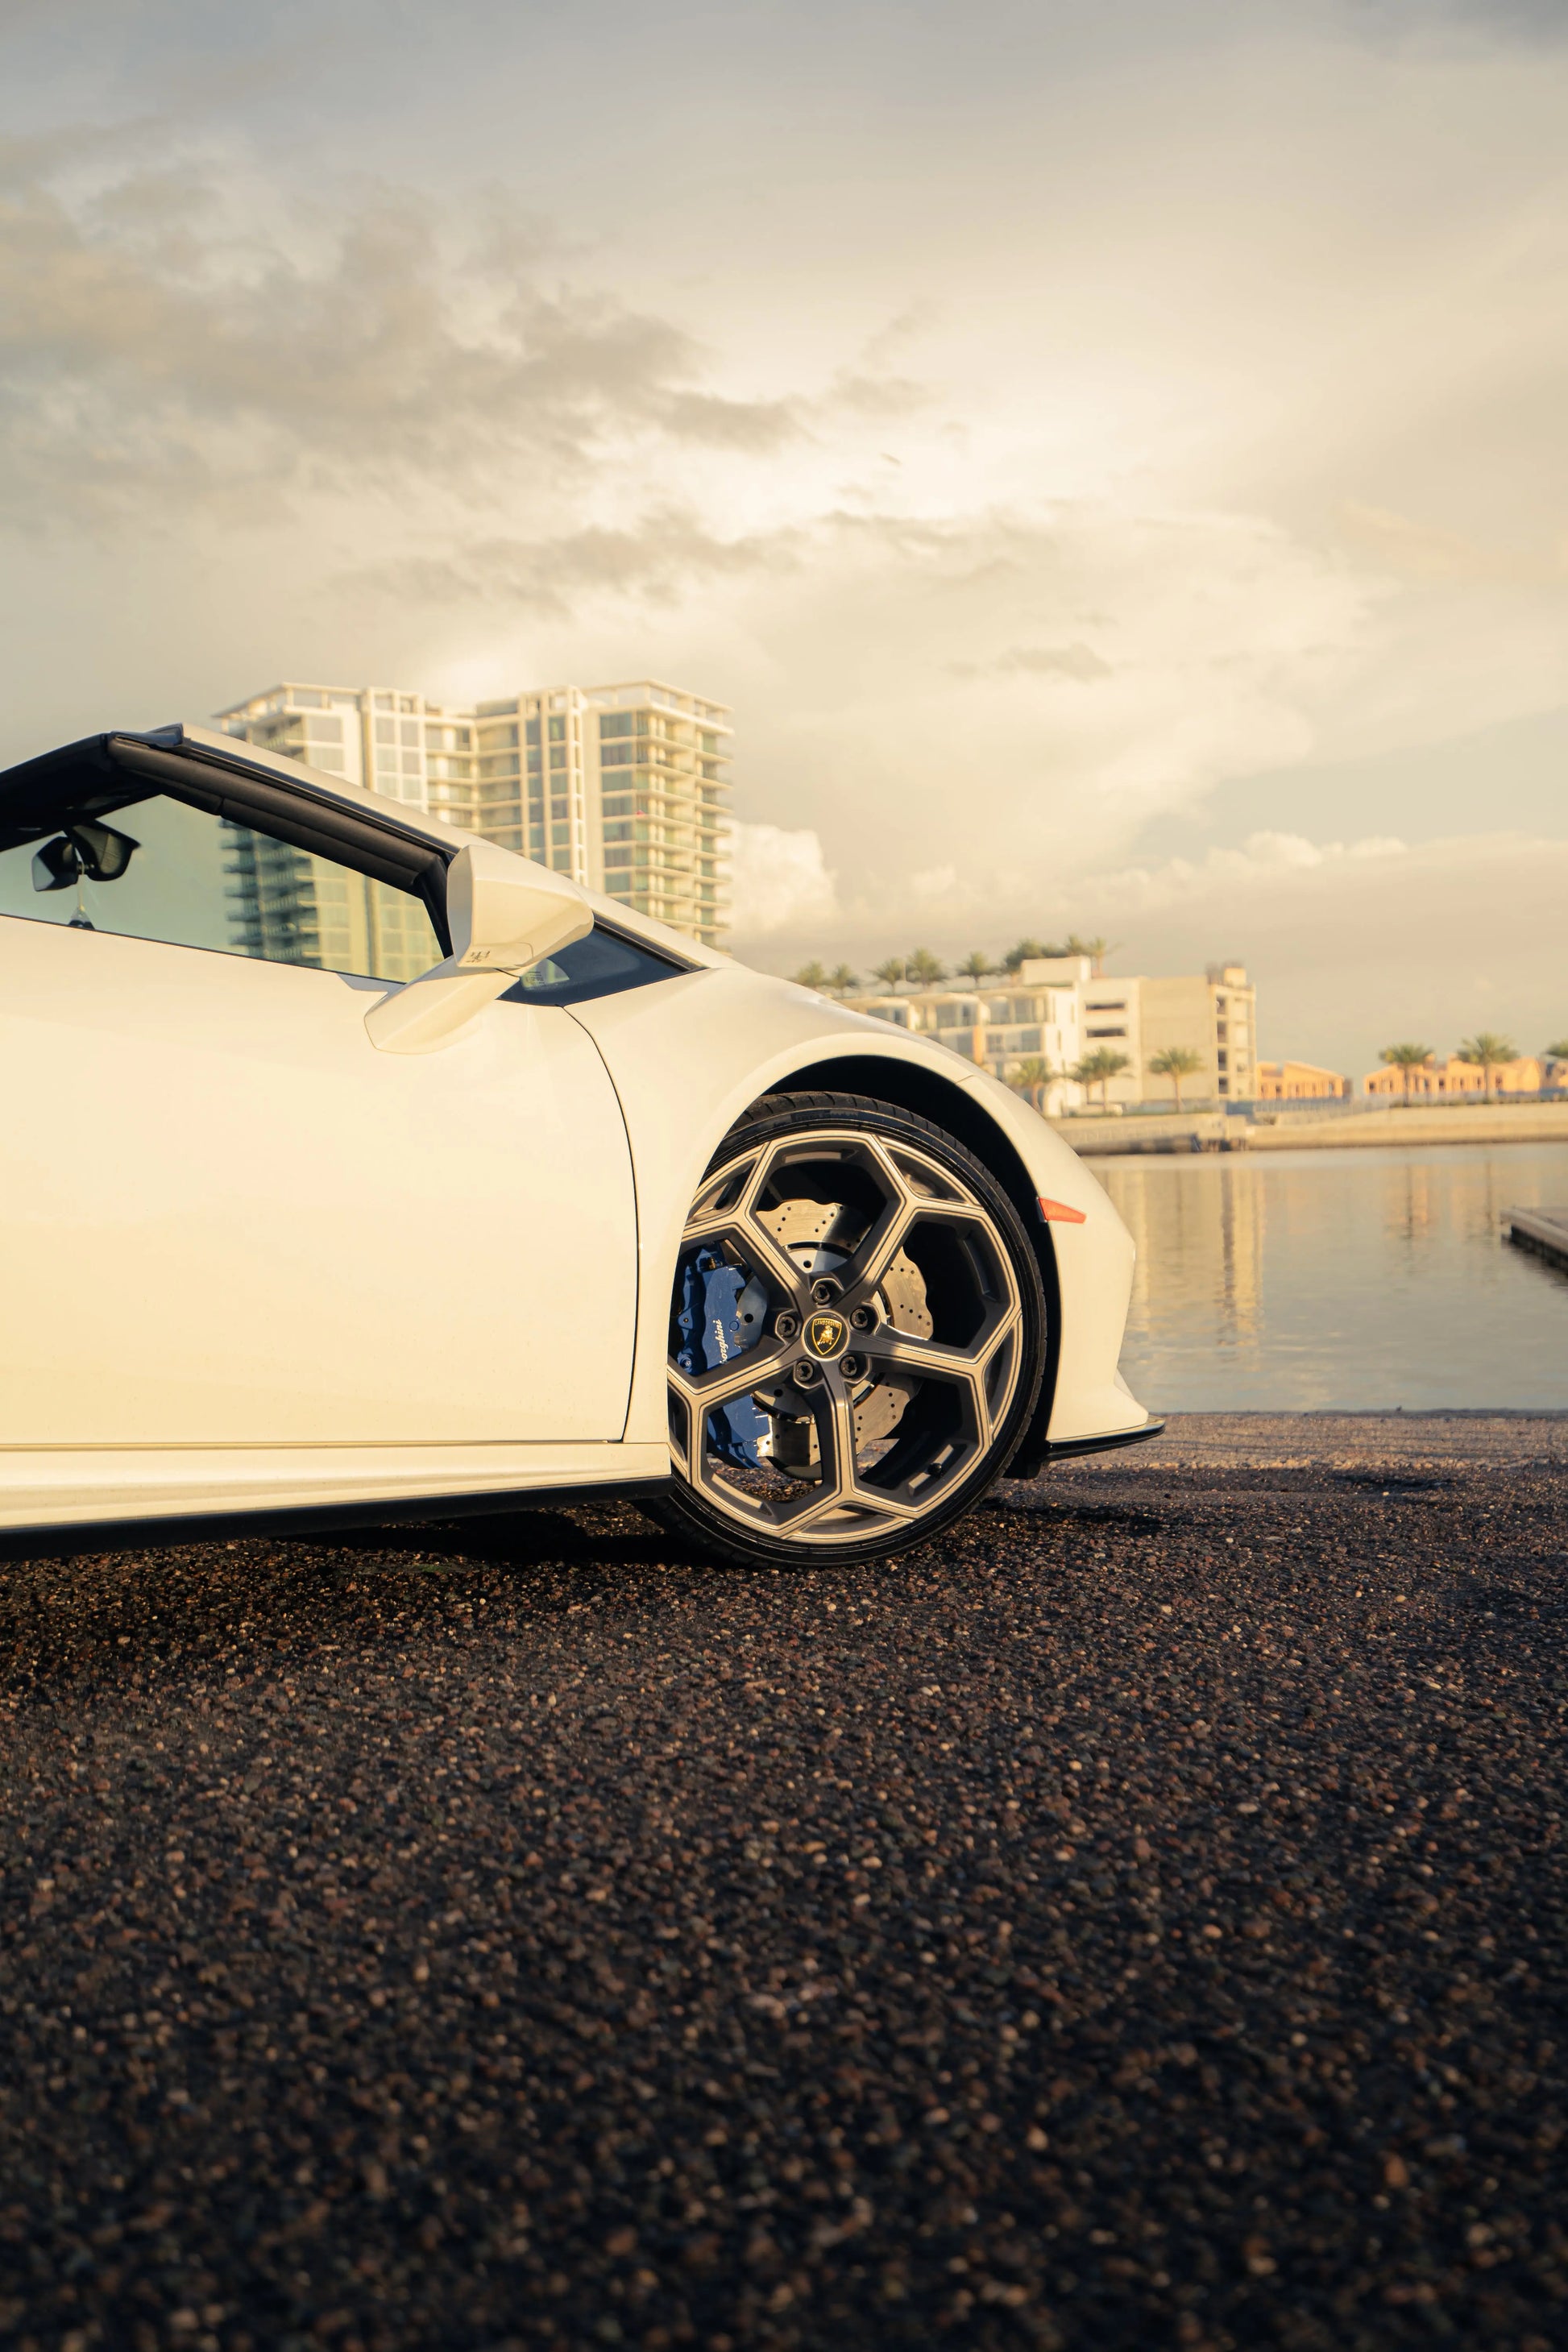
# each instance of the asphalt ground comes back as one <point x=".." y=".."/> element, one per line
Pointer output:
<point x="1136" y="1921"/>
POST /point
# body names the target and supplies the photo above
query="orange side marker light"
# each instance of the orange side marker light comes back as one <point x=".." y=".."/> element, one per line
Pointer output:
<point x="1058" y="1212"/>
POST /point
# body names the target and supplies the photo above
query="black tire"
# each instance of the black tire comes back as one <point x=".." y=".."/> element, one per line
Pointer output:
<point x="869" y="1227"/>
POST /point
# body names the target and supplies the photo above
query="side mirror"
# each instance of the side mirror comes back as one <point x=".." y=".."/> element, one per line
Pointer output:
<point x="504" y="916"/>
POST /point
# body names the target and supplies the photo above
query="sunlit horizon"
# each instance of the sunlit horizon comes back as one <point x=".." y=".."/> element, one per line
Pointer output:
<point x="1110" y="462"/>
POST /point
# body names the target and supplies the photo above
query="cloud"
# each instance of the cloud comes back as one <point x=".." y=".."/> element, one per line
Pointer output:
<point x="1076" y="661"/>
<point x="659" y="555"/>
<point x="1261" y="859"/>
<point x="154" y="349"/>
<point x="895" y="734"/>
<point x="779" y="880"/>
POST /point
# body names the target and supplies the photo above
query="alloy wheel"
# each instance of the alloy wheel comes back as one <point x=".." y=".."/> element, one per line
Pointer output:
<point x="848" y="1337"/>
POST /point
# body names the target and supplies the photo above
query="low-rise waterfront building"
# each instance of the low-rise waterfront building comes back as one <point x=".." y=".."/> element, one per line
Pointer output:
<point x="1210" y="1015"/>
<point x="1452" y="1077"/>
<point x="1214" y="1016"/>
<point x="1023" y="1025"/>
<point x="1299" y="1082"/>
<point x="1035" y="1025"/>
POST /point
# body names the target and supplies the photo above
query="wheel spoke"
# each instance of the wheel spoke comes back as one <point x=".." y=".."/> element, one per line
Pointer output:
<point x="957" y="1371"/>
<point x="866" y="1266"/>
<point x="930" y="1358"/>
<point x="771" y="1259"/>
<point x="718" y="1201"/>
<point x="716" y="1226"/>
<point x="755" y="1246"/>
<point x="836" y="1439"/>
<point x="834" y="1411"/>
<point x="704" y="1390"/>
<point x="869" y="1263"/>
<point x="754" y="1235"/>
<point x="962" y="1368"/>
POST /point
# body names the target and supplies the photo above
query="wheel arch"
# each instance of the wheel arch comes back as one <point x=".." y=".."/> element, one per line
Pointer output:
<point x="928" y="1094"/>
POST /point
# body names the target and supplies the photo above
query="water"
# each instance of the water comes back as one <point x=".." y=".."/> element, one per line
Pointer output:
<point x="1350" y="1280"/>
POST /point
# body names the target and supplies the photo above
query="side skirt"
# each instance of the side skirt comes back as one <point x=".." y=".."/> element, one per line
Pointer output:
<point x="56" y="1541"/>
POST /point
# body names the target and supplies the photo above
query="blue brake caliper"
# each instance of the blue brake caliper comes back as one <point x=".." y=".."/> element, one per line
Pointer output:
<point x="712" y="1331"/>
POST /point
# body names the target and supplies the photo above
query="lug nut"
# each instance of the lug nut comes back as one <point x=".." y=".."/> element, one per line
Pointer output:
<point x="825" y="1290"/>
<point x="786" y="1325"/>
<point x="806" y="1374"/>
<point x="853" y="1367"/>
<point x="861" y="1317"/>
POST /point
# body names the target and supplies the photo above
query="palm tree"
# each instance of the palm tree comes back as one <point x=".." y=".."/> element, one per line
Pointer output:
<point x="1406" y="1059"/>
<point x="1098" y="1069"/>
<point x="976" y="965"/>
<point x="1096" y="950"/>
<point x="1028" y="951"/>
<point x="891" y="972"/>
<point x="1558" y="1053"/>
<point x="924" y="969"/>
<point x="1032" y="1077"/>
<point x="811" y="975"/>
<point x="1489" y="1052"/>
<point x="842" y="978"/>
<point x="1177" y="1063"/>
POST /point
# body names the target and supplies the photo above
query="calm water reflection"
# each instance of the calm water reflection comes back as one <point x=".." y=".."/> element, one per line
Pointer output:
<point x="1301" y="1280"/>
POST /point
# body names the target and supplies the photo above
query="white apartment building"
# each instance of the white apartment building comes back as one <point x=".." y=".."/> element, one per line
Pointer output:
<point x="1057" y="1010"/>
<point x="1034" y="1015"/>
<point x="1213" y="1014"/>
<point x="623" y="787"/>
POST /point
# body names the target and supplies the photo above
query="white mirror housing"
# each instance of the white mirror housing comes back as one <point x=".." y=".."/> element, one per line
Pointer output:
<point x="505" y="914"/>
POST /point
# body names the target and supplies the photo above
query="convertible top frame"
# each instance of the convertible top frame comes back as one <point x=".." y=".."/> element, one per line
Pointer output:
<point x="290" y="808"/>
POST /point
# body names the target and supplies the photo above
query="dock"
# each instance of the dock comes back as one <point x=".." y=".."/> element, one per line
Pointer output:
<point x="1542" y="1230"/>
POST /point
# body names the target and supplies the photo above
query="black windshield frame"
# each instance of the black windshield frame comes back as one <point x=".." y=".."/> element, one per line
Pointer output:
<point x="105" y="773"/>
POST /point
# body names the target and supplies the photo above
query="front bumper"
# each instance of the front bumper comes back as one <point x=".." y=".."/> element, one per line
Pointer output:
<point x="1069" y="1446"/>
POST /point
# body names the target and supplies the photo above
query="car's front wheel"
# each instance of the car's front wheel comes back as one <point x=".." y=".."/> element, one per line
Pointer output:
<point x="856" y="1335"/>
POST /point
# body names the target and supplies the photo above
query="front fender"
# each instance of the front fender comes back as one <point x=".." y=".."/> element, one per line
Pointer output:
<point x="688" y="1056"/>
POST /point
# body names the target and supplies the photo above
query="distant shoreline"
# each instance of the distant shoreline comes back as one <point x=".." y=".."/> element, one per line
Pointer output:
<point x="1167" y="1133"/>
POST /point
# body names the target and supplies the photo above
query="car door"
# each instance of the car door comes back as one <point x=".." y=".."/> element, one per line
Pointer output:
<point x="227" y="1221"/>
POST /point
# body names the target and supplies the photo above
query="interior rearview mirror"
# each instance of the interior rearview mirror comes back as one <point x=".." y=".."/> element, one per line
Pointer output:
<point x="83" y="852"/>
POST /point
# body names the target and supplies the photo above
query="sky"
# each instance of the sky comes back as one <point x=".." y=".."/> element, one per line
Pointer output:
<point x="1109" y="457"/>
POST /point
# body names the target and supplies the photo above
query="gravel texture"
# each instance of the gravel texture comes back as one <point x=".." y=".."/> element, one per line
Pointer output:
<point x="1136" y="1921"/>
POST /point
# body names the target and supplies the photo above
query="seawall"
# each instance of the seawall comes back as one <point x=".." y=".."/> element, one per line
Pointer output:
<point x="1532" y="1122"/>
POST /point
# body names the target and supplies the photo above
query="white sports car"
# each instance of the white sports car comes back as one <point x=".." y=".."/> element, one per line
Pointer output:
<point x="355" y="1166"/>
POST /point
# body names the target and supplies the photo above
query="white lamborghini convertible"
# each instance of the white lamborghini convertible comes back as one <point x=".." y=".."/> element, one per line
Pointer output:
<point x="353" y="1167"/>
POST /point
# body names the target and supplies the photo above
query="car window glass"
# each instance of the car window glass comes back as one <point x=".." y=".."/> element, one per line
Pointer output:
<point x="157" y="869"/>
<point x="600" y="965"/>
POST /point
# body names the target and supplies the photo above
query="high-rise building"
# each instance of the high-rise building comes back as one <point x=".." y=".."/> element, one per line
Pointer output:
<point x="623" y="787"/>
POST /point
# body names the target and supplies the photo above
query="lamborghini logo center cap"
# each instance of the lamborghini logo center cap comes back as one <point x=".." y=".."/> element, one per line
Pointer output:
<point x="826" y="1336"/>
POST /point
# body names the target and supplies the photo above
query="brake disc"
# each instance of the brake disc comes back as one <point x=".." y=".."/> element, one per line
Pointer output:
<point x="820" y="1236"/>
